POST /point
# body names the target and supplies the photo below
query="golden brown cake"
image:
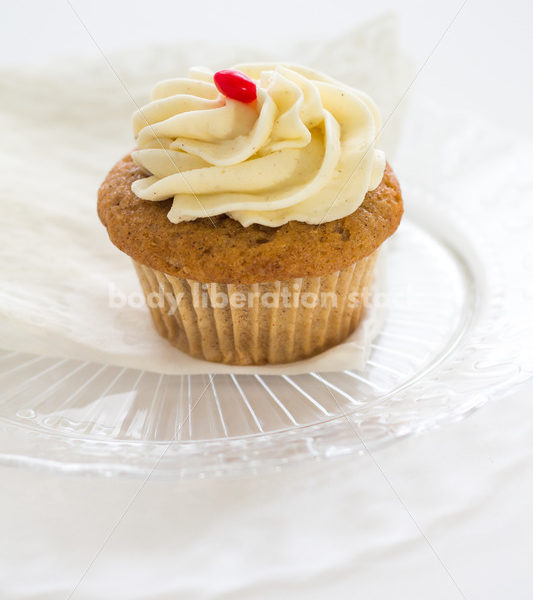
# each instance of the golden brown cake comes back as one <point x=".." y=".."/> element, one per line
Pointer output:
<point x="225" y="281"/>
<point x="224" y="251"/>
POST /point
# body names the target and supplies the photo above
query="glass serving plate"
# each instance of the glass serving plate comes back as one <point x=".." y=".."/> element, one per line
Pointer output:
<point x="453" y="338"/>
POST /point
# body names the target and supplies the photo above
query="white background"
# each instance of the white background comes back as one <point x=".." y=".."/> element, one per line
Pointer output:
<point x="321" y="531"/>
<point x="483" y="63"/>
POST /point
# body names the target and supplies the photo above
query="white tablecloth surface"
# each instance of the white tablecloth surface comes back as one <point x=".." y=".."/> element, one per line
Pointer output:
<point x="326" y="530"/>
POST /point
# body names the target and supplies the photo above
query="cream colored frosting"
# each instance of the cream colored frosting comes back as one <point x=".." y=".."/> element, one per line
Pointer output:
<point x="304" y="150"/>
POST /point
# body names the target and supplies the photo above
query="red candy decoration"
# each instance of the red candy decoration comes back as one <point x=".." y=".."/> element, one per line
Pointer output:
<point x="236" y="85"/>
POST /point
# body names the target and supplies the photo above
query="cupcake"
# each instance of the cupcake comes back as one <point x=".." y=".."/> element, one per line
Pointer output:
<point x="253" y="207"/>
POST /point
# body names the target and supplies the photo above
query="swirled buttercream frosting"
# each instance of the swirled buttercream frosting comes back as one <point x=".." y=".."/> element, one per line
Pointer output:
<point x="302" y="151"/>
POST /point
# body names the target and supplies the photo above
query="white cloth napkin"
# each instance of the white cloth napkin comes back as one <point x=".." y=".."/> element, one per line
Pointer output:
<point x="63" y="128"/>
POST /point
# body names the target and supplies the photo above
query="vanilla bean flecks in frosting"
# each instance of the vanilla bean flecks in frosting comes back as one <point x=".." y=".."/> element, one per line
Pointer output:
<point x="303" y="150"/>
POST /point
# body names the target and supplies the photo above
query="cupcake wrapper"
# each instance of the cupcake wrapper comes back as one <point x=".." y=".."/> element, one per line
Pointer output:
<point x="259" y="323"/>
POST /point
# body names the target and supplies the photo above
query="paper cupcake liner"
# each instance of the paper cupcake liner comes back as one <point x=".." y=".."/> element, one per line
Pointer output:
<point x="259" y="323"/>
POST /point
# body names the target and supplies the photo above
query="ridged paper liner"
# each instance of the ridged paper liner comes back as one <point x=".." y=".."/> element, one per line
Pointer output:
<point x="259" y="323"/>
